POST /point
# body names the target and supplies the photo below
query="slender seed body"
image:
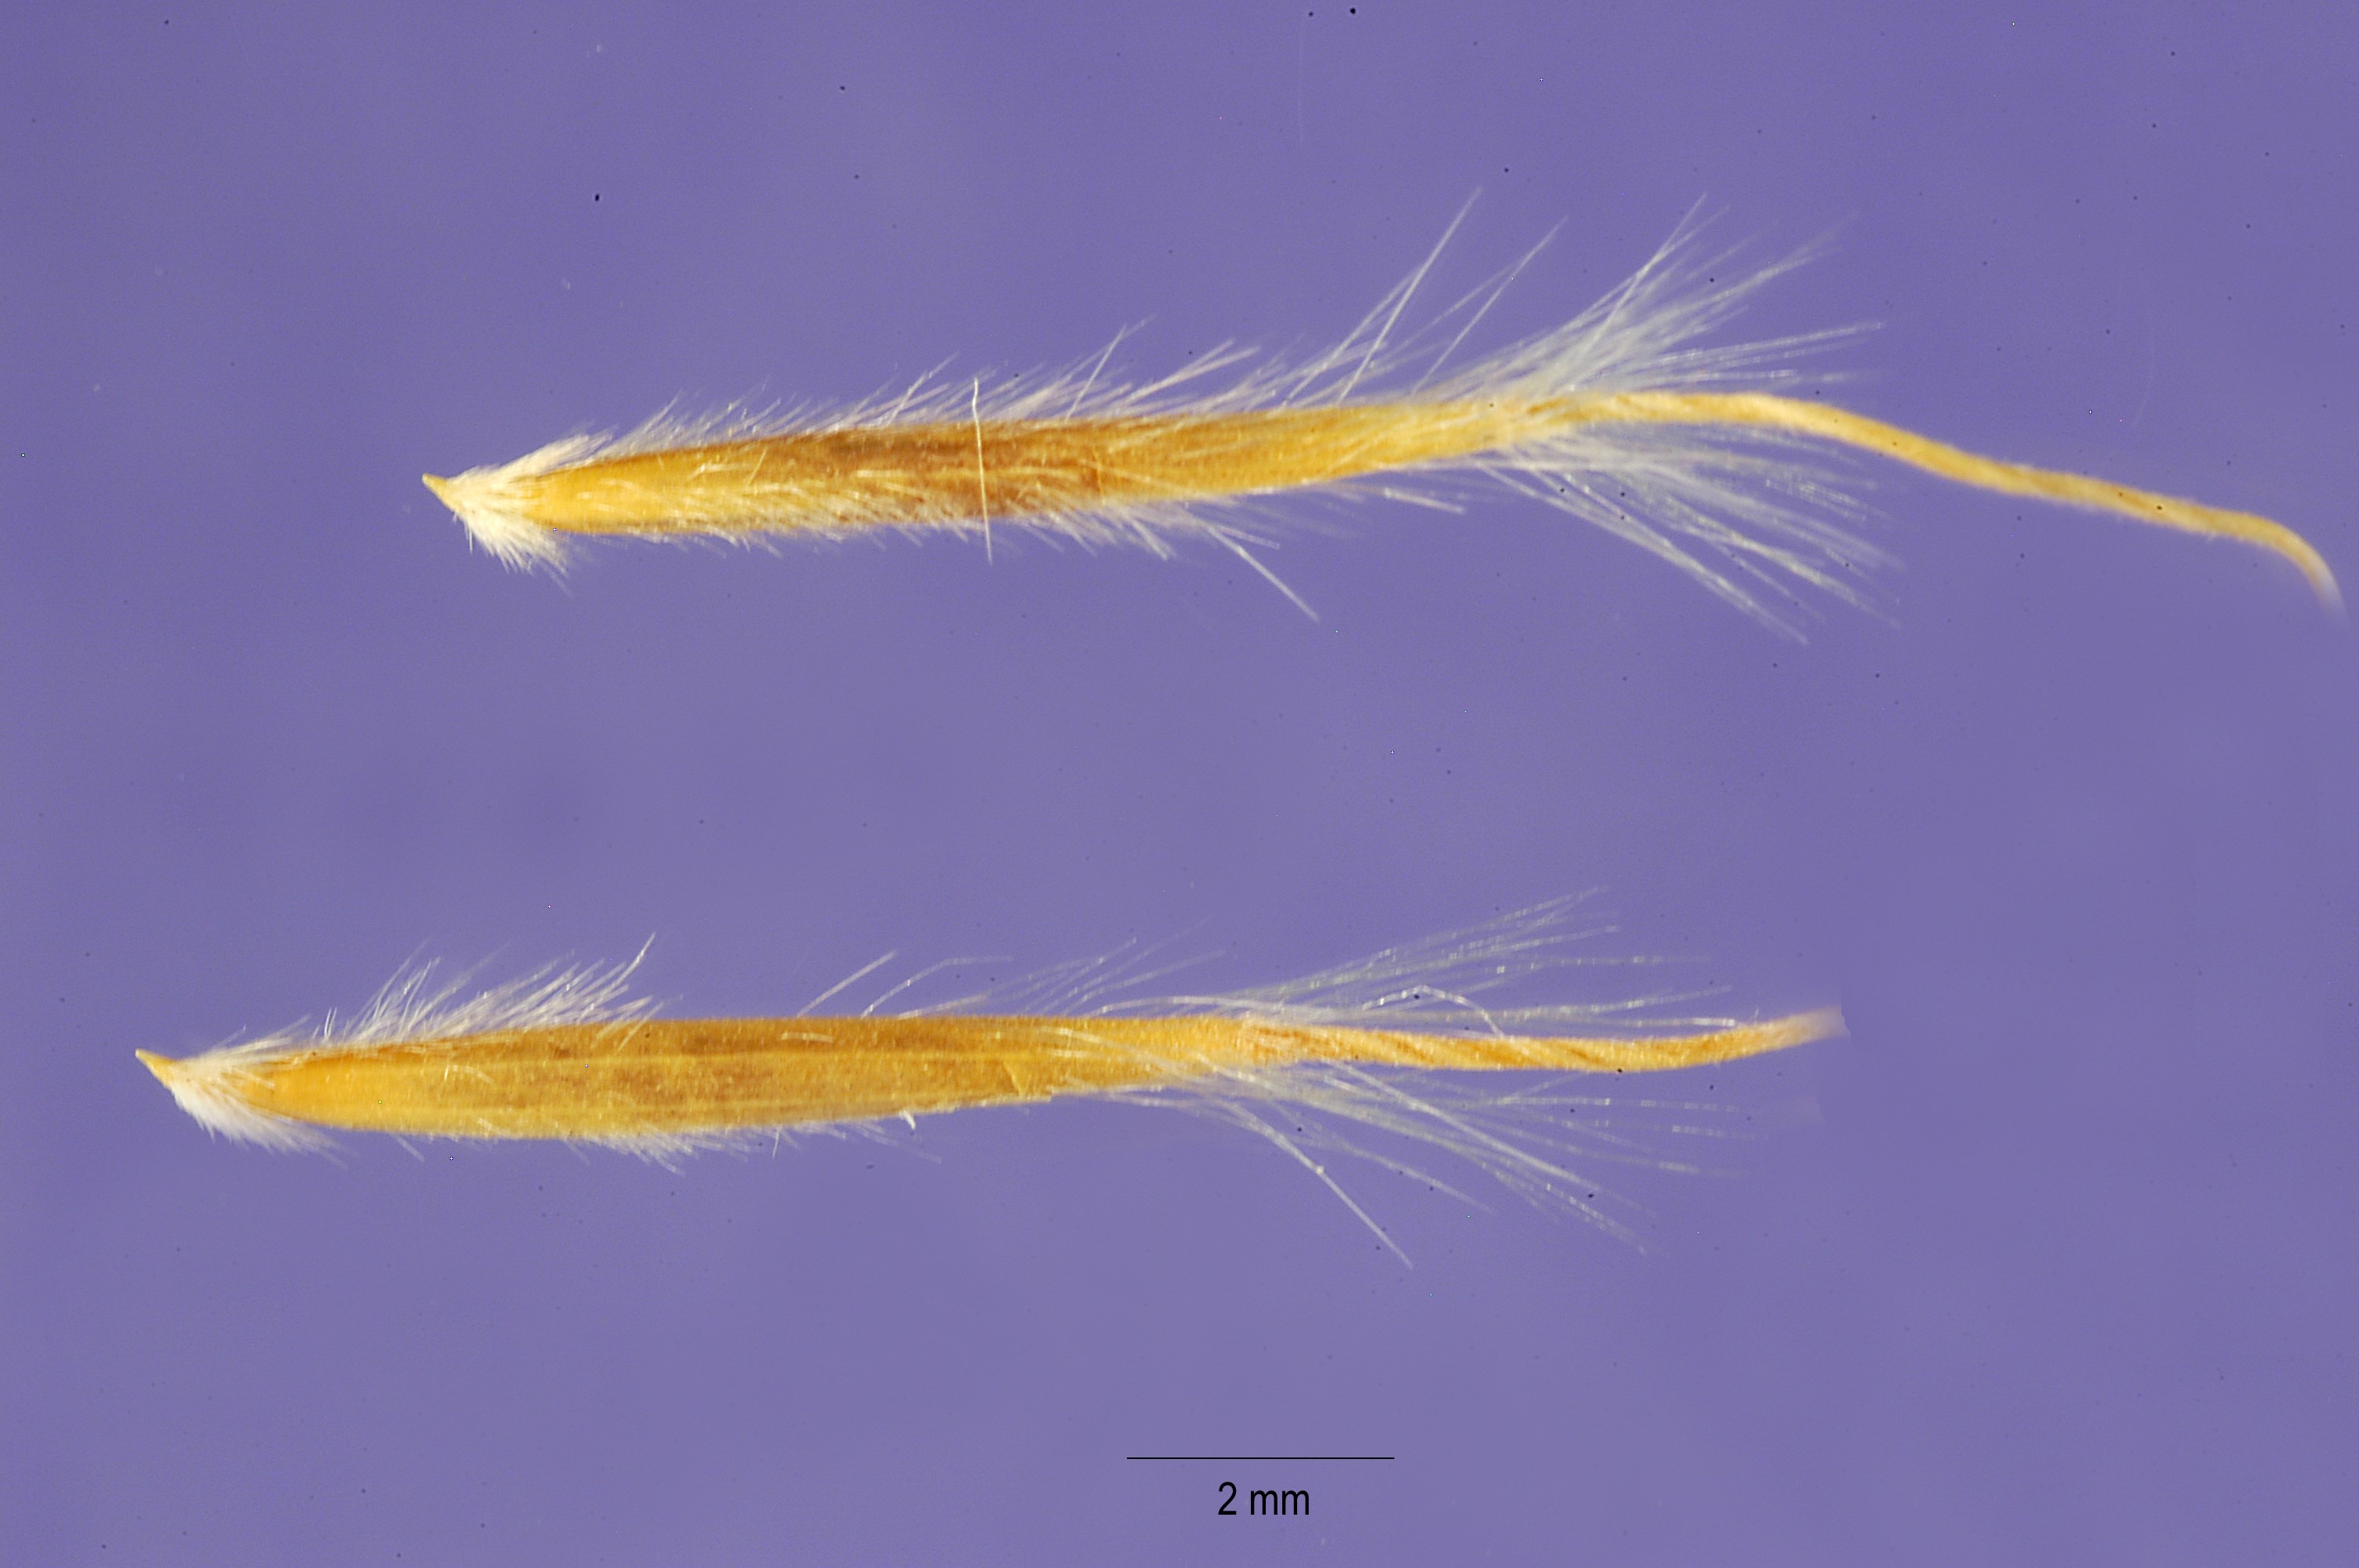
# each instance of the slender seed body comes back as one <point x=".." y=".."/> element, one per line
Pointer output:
<point x="1007" y="468"/>
<point x="1446" y="1046"/>
<point x="1041" y="471"/>
<point x="667" y="1076"/>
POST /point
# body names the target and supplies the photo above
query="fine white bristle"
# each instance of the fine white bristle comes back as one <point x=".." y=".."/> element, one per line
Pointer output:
<point x="208" y="1087"/>
<point x="485" y="500"/>
<point x="419" y="1003"/>
<point x="1542" y="1136"/>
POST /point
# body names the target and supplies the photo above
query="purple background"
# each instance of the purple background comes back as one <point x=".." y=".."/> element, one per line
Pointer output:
<point x="2063" y="1271"/>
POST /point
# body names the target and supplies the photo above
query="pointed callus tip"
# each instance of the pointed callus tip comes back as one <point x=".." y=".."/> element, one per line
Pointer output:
<point x="440" y="487"/>
<point x="160" y="1065"/>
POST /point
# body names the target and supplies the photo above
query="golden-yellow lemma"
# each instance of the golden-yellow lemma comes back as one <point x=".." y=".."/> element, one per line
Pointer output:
<point x="1620" y="417"/>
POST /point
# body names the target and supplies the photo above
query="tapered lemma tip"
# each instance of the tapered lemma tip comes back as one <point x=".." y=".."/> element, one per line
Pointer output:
<point x="161" y="1066"/>
<point x="1822" y="1023"/>
<point x="1796" y="1029"/>
<point x="2321" y="582"/>
<point x="493" y="506"/>
<point x="2304" y="556"/>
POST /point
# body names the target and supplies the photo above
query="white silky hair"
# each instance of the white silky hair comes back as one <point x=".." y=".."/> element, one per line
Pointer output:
<point x="491" y="504"/>
<point x="422" y="1002"/>
<point x="1756" y="516"/>
<point x="1543" y="1135"/>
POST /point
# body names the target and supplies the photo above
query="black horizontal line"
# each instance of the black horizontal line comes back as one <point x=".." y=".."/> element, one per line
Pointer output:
<point x="1298" y="1458"/>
